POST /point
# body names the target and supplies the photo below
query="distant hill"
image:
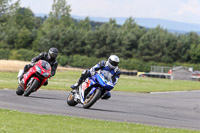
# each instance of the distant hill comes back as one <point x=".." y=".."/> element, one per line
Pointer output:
<point x="41" y="15"/>
<point x="171" y="26"/>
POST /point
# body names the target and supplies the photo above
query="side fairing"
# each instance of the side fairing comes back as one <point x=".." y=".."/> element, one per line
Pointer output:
<point x="87" y="83"/>
<point x="28" y="75"/>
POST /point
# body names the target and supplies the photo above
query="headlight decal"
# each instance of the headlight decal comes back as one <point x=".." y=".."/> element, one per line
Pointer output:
<point x="38" y="69"/>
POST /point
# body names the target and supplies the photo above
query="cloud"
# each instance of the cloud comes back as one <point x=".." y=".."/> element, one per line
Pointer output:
<point x="178" y="10"/>
<point x="107" y="8"/>
<point x="38" y="6"/>
<point x="124" y="8"/>
<point x="188" y="11"/>
<point x="191" y="6"/>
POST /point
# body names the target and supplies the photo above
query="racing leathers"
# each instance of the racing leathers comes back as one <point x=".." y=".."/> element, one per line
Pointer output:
<point x="112" y="74"/>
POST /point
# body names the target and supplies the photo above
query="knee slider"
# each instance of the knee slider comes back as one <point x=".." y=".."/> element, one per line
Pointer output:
<point x="106" y="96"/>
<point x="46" y="83"/>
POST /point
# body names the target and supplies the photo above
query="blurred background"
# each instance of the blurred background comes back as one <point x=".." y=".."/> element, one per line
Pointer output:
<point x="142" y="33"/>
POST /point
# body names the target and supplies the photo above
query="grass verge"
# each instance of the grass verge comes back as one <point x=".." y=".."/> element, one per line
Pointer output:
<point x="63" y="81"/>
<point x="18" y="122"/>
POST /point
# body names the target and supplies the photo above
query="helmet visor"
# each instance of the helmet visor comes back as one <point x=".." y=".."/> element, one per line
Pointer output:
<point x="53" y="55"/>
<point x="113" y="63"/>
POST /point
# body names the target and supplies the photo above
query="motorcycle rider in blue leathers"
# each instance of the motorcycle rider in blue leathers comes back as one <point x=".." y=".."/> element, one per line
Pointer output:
<point x="110" y="70"/>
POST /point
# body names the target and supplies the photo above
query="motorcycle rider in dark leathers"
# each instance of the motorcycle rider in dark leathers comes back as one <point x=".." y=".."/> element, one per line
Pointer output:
<point x="109" y="68"/>
<point x="50" y="57"/>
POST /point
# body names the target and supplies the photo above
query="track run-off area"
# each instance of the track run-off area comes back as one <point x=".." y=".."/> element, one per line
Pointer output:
<point x="173" y="110"/>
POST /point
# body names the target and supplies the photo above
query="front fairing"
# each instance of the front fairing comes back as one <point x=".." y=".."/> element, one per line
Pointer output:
<point x="28" y="75"/>
<point x="83" y="87"/>
<point x="95" y="82"/>
<point x="41" y="69"/>
<point x="103" y="82"/>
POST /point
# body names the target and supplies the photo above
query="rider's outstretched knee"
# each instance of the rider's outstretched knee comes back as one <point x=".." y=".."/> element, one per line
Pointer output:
<point x="106" y="95"/>
<point x="45" y="83"/>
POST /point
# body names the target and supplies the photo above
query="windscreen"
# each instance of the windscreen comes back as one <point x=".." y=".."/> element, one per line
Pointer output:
<point x="45" y="65"/>
<point x="107" y="75"/>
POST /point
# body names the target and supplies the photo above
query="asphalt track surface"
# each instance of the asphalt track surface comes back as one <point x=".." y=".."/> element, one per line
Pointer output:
<point x="173" y="110"/>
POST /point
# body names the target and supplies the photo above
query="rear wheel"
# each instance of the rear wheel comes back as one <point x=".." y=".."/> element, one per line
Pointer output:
<point x="31" y="87"/>
<point x="19" y="91"/>
<point x="91" y="99"/>
<point x="70" y="99"/>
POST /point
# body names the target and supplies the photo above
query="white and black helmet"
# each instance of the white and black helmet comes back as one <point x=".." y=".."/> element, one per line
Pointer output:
<point x="53" y="53"/>
<point x="113" y="61"/>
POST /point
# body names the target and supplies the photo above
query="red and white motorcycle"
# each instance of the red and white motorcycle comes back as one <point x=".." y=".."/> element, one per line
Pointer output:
<point x="34" y="78"/>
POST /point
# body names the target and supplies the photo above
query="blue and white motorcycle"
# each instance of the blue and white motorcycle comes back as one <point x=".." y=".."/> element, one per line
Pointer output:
<point x="90" y="90"/>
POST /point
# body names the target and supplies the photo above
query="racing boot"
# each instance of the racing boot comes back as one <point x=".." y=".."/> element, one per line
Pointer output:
<point x="84" y="75"/>
<point x="75" y="86"/>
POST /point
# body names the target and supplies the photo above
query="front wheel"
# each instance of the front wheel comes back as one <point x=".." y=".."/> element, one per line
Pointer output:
<point x="31" y="87"/>
<point x="91" y="99"/>
<point x="70" y="100"/>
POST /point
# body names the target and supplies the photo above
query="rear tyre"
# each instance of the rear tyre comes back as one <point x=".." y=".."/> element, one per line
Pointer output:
<point x="70" y="99"/>
<point x="90" y="100"/>
<point x="20" y="91"/>
<point x="31" y="87"/>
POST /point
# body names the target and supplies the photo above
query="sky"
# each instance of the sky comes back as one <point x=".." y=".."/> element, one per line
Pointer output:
<point x="187" y="11"/>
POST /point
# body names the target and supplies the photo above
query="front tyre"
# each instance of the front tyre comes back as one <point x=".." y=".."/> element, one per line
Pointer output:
<point x="31" y="87"/>
<point x="70" y="99"/>
<point x="91" y="99"/>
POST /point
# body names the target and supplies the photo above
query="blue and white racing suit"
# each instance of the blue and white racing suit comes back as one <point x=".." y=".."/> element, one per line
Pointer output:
<point x="110" y="74"/>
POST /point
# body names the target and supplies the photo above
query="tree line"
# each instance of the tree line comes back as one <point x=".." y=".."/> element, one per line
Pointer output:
<point x="21" y="30"/>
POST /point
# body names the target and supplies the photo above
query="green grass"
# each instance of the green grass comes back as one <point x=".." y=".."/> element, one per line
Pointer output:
<point x="18" y="122"/>
<point x="139" y="84"/>
<point x="63" y="81"/>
